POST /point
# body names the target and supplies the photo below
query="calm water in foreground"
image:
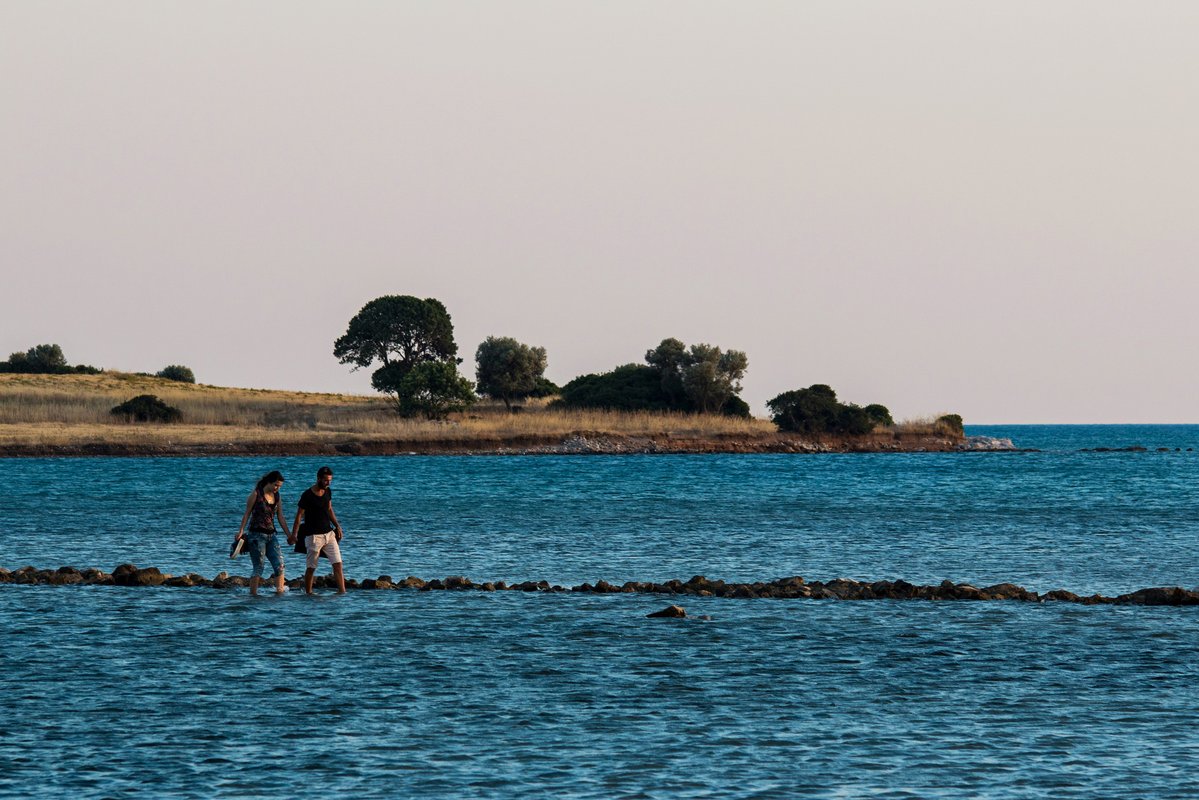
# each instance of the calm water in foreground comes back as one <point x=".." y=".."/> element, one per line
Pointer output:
<point x="113" y="692"/>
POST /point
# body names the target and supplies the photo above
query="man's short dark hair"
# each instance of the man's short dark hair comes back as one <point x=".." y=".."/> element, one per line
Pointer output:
<point x="324" y="471"/>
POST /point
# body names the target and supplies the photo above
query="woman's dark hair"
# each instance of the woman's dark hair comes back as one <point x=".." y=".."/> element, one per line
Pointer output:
<point x="270" y="477"/>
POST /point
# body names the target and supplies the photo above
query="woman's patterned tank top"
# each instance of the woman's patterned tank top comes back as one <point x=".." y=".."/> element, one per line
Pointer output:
<point x="262" y="517"/>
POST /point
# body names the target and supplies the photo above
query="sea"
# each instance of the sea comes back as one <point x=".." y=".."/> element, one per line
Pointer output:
<point x="115" y="692"/>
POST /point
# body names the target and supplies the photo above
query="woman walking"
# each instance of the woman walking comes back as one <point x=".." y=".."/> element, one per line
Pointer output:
<point x="262" y="507"/>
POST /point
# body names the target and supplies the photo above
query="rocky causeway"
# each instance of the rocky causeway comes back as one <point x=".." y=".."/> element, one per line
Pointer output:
<point x="789" y="588"/>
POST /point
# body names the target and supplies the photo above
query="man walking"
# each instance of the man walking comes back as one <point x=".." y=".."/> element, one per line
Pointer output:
<point x="319" y="532"/>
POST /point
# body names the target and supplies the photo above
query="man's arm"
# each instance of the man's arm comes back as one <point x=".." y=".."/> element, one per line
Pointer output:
<point x="336" y="524"/>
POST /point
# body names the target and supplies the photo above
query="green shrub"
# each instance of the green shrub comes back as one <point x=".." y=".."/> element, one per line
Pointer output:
<point x="434" y="389"/>
<point x="817" y="410"/>
<point x="631" y="387"/>
<point x="635" y="387"/>
<point x="177" y="372"/>
<point x="735" y="407"/>
<point x="545" y="388"/>
<point x="951" y="423"/>
<point x="879" y="415"/>
<point x="147" y="408"/>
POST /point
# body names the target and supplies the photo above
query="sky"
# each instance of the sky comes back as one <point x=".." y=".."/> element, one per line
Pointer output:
<point x="983" y="208"/>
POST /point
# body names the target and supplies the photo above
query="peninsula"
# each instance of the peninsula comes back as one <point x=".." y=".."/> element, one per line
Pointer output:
<point x="70" y="415"/>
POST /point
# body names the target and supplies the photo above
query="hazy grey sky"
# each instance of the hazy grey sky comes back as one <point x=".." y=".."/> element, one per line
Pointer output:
<point x="989" y="208"/>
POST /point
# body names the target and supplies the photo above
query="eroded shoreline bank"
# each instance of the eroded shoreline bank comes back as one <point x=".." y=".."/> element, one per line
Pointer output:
<point x="791" y="588"/>
<point x="581" y="443"/>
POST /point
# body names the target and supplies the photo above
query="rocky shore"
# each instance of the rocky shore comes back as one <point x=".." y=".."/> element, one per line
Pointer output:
<point x="781" y="588"/>
<point x="579" y="443"/>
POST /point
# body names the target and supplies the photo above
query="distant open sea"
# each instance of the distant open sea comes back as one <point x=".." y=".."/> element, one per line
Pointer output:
<point x="116" y="692"/>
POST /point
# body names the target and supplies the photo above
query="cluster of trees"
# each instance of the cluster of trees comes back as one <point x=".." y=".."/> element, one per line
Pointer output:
<point x="700" y="378"/>
<point x="817" y="410"/>
<point x="43" y="359"/>
<point x="412" y="340"/>
<point x="49" y="359"/>
<point x="412" y="343"/>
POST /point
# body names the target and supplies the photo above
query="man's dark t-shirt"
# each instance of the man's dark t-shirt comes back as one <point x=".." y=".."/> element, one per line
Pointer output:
<point x="316" y="513"/>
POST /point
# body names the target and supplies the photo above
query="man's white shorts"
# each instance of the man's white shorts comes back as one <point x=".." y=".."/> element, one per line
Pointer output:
<point x="326" y="542"/>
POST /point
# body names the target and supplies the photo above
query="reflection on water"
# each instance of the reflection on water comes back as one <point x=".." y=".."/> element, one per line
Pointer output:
<point x="201" y="693"/>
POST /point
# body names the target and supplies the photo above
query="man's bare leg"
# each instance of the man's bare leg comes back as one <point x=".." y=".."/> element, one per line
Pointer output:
<point x="340" y="577"/>
<point x="308" y="573"/>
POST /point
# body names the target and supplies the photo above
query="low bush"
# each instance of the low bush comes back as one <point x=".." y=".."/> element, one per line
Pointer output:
<point x="817" y="410"/>
<point x="951" y="423"/>
<point x="147" y="408"/>
<point x="177" y="372"/>
<point x="735" y="407"/>
<point x="879" y="415"/>
<point x="433" y="389"/>
<point x="634" y="387"/>
<point x="545" y="388"/>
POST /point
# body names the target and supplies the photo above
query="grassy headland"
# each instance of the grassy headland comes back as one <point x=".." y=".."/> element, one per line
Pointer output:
<point x="69" y="415"/>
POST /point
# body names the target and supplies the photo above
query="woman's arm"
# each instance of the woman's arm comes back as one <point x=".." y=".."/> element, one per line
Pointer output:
<point x="245" y="516"/>
<point x="279" y="514"/>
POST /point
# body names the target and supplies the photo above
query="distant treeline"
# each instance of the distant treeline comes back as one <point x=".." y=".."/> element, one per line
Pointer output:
<point x="410" y="342"/>
<point x="44" y="359"/>
<point x="48" y="359"/>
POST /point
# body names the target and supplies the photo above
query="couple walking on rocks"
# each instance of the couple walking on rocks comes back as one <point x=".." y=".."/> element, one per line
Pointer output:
<point x="315" y="531"/>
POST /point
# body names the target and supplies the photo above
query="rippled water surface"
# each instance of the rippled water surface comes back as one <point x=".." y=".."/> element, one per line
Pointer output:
<point x="113" y="692"/>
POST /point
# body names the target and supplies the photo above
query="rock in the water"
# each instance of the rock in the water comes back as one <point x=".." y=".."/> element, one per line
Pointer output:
<point x="129" y="575"/>
<point x="675" y="612"/>
<point x="986" y="443"/>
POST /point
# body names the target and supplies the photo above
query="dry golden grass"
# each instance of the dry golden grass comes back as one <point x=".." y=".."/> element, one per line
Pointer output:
<point x="924" y="426"/>
<point x="74" y="409"/>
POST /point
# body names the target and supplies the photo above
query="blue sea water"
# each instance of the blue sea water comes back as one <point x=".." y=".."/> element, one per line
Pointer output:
<point x="113" y="692"/>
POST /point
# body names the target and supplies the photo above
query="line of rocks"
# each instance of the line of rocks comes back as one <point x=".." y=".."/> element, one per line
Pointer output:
<point x="594" y="443"/>
<point x="782" y="588"/>
<point x="1134" y="449"/>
